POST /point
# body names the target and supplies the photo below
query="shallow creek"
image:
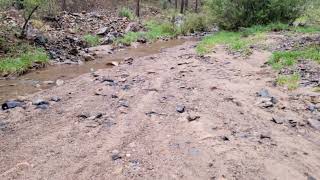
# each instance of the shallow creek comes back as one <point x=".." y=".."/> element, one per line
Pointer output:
<point x="34" y="81"/>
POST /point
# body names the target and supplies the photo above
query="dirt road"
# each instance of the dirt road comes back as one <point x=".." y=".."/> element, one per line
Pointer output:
<point x="172" y="115"/>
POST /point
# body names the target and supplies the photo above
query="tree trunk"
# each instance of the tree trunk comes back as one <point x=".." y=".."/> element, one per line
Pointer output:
<point x="176" y="4"/>
<point x="138" y="8"/>
<point x="196" y="8"/>
<point x="182" y="7"/>
<point x="186" y="4"/>
<point x="26" y="21"/>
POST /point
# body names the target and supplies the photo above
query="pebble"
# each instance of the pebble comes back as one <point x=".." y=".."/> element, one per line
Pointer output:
<point x="59" y="82"/>
<point x="48" y="82"/>
<point x="180" y="108"/>
<point x="55" y="98"/>
<point x="38" y="102"/>
<point x="42" y="106"/>
<point x="264" y="93"/>
<point x="315" y="123"/>
<point x="265" y="136"/>
<point x="192" y="117"/>
<point x="277" y="120"/>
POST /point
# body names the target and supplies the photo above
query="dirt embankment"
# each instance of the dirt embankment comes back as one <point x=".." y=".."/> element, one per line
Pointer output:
<point x="173" y="115"/>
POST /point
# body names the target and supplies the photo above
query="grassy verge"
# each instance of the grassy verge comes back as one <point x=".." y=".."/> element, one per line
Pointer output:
<point x="281" y="59"/>
<point x="154" y="31"/>
<point x="290" y="81"/>
<point x="19" y="65"/>
<point x="241" y="40"/>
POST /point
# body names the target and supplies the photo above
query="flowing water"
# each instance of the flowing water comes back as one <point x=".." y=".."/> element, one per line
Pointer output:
<point x="34" y="81"/>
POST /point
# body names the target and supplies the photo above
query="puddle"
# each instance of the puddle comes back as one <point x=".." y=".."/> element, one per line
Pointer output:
<point x="28" y="83"/>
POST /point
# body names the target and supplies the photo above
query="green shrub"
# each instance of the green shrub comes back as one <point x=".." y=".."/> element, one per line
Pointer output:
<point x="126" y="12"/>
<point x="128" y="38"/>
<point x="19" y="65"/>
<point x="233" y="14"/>
<point x="195" y="22"/>
<point x="91" y="40"/>
<point x="156" y="30"/>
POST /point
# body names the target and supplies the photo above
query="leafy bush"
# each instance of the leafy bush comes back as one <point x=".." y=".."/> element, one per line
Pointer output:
<point x="126" y="12"/>
<point x="195" y="22"/>
<point x="91" y="40"/>
<point x="156" y="30"/>
<point x="233" y="14"/>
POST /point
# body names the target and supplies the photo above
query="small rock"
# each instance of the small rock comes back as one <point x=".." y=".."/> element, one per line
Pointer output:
<point x="88" y="57"/>
<point x="42" y="106"/>
<point x="311" y="178"/>
<point x="180" y="108"/>
<point x="48" y="82"/>
<point x="115" y="155"/>
<point x="113" y="63"/>
<point x="265" y="136"/>
<point x="315" y="123"/>
<point x="12" y="104"/>
<point x="225" y="138"/>
<point x="103" y="31"/>
<point x="59" y="82"/>
<point x="124" y="103"/>
<point x="55" y="98"/>
<point x="263" y="93"/>
<point x="311" y="107"/>
<point x="277" y="120"/>
<point x="192" y="117"/>
<point x="38" y="102"/>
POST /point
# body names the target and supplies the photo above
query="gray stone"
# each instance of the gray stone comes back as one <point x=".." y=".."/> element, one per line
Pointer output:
<point x="38" y="102"/>
<point x="42" y="106"/>
<point x="180" y="108"/>
<point x="277" y="120"/>
<point x="12" y="104"/>
<point x="55" y="98"/>
<point x="315" y="123"/>
<point x="264" y="93"/>
<point x="103" y="31"/>
<point x="192" y="117"/>
<point x="59" y="82"/>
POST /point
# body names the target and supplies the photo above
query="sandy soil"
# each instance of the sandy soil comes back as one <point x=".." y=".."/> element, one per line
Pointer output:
<point x="122" y="123"/>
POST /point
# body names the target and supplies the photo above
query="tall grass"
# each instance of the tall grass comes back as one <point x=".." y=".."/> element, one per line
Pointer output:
<point x="19" y="65"/>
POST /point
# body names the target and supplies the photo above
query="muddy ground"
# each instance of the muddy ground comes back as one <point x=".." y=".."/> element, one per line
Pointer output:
<point x="172" y="115"/>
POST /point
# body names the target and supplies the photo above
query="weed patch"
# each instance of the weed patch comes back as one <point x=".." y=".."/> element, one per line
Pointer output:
<point x="19" y="65"/>
<point x="91" y="40"/>
<point x="290" y="81"/>
<point x="154" y="31"/>
<point x="281" y="59"/>
<point x="233" y="40"/>
<point x="126" y="12"/>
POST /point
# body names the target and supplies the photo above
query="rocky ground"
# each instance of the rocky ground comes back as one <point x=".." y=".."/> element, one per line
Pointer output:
<point x="62" y="35"/>
<point x="173" y="115"/>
